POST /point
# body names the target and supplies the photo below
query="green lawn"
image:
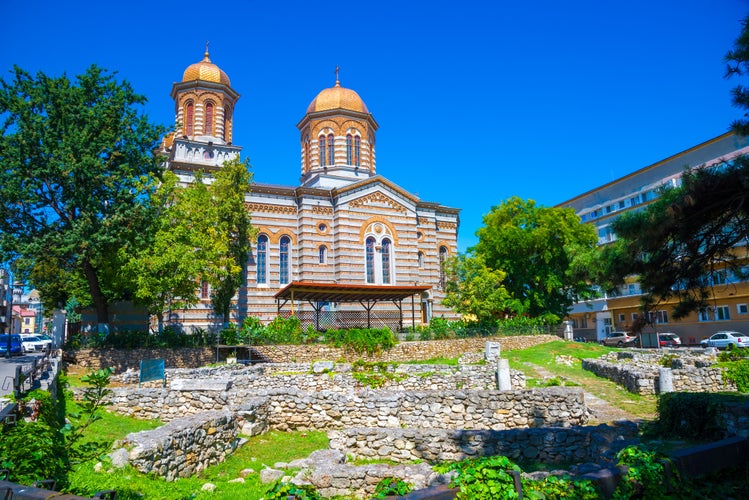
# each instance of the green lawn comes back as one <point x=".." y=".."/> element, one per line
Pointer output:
<point x="537" y="361"/>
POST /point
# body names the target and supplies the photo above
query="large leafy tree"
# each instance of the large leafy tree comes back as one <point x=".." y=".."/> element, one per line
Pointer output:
<point x="234" y="226"/>
<point x="76" y="161"/>
<point x="537" y="249"/>
<point x="474" y="290"/>
<point x="201" y="232"/>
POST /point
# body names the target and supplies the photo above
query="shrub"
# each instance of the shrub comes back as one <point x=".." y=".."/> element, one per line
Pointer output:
<point x="644" y="477"/>
<point x="693" y="415"/>
<point x="738" y="372"/>
<point x="392" y="486"/>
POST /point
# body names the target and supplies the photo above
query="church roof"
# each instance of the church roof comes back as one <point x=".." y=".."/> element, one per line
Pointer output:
<point x="337" y="97"/>
<point x="206" y="71"/>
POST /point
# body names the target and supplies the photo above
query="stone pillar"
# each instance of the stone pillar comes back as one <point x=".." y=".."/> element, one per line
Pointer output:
<point x="568" y="331"/>
<point x="504" y="382"/>
<point x="491" y="351"/>
<point x="665" y="380"/>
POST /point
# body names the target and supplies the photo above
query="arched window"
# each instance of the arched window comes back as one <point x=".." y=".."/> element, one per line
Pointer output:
<point x="306" y="153"/>
<point x="385" y="254"/>
<point x="331" y="153"/>
<point x="443" y="257"/>
<point x="420" y="259"/>
<point x="349" y="150"/>
<point x="189" y="117"/>
<point x="262" y="259"/>
<point x="204" y="290"/>
<point x="321" y="147"/>
<point x="357" y="151"/>
<point x="370" y="258"/>
<point x="283" y="260"/>
<point x="227" y="122"/>
<point x="323" y="253"/>
<point x="208" y="118"/>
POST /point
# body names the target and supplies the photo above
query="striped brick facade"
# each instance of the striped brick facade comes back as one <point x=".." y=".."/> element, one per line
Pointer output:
<point x="340" y="205"/>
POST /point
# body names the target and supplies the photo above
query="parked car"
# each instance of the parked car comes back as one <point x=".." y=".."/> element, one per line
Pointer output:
<point x="721" y="340"/>
<point x="667" y="339"/>
<point x="16" y="348"/>
<point x="46" y="339"/>
<point x="31" y="343"/>
<point x="618" y="339"/>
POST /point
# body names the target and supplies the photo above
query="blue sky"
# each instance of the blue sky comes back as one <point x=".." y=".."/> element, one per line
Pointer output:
<point x="476" y="101"/>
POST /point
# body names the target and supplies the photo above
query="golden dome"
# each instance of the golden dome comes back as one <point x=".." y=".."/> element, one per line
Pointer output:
<point x="205" y="70"/>
<point x="337" y="98"/>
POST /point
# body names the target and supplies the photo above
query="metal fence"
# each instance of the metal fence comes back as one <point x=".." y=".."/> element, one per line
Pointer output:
<point x="337" y="320"/>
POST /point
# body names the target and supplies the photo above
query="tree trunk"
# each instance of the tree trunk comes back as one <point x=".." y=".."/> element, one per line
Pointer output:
<point x="100" y="302"/>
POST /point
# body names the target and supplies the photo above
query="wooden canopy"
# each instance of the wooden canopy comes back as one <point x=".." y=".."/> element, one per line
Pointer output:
<point x="367" y="295"/>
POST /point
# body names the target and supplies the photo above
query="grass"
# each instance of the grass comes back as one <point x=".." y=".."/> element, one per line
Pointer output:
<point x="256" y="454"/>
<point x="540" y="362"/>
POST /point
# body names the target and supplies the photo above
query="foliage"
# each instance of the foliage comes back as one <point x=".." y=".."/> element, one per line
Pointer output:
<point x="644" y="476"/>
<point x="474" y="289"/>
<point x="392" y="486"/>
<point x="737" y="64"/>
<point x="522" y="325"/>
<point x="560" y="488"/>
<point x="667" y="360"/>
<point x="543" y="253"/>
<point x="485" y="477"/>
<point x="92" y="402"/>
<point x="373" y="374"/>
<point x="689" y="415"/>
<point x="361" y="340"/>
<point x="686" y="241"/>
<point x="738" y="372"/>
<point x="233" y="227"/>
<point x="284" y="330"/>
<point x="281" y="490"/>
<point x="733" y="353"/>
<point x="135" y="339"/>
<point x="77" y="164"/>
<point x="33" y="451"/>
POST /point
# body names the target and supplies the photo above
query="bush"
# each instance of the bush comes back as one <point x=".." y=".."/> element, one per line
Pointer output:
<point x="738" y="372"/>
<point x="690" y="415"/>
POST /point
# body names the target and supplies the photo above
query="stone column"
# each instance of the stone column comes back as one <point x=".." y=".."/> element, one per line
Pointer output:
<point x="491" y="351"/>
<point x="504" y="382"/>
<point x="665" y="380"/>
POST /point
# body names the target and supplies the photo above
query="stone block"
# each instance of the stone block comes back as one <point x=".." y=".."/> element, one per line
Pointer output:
<point x="192" y="385"/>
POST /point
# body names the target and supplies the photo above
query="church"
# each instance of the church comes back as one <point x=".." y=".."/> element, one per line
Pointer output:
<point x="346" y="247"/>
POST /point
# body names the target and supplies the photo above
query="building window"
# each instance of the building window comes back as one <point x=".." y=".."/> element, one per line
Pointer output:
<point x="262" y="259"/>
<point x="227" y="121"/>
<point x="349" y="150"/>
<point x="323" y="253"/>
<point x="204" y="290"/>
<point x="321" y="147"/>
<point x="621" y="318"/>
<point x="189" y="117"/>
<point x="357" y="151"/>
<point x="385" y="252"/>
<point x="658" y="317"/>
<point x="283" y="260"/>
<point x="635" y="317"/>
<point x="722" y="313"/>
<point x="420" y="260"/>
<point x="370" y="252"/>
<point x="331" y="153"/>
<point x="209" y="118"/>
<point x="742" y="309"/>
<point x="719" y="313"/>
<point x="443" y="256"/>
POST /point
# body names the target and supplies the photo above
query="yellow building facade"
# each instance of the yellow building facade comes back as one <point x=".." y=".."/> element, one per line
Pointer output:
<point x="729" y="301"/>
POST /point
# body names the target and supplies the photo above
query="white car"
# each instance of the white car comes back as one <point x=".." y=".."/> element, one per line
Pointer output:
<point x="32" y="343"/>
<point x="721" y="340"/>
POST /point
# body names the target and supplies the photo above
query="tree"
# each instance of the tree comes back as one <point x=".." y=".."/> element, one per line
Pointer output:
<point x="737" y="64"/>
<point x="691" y="238"/>
<point x="473" y="289"/>
<point x="537" y="248"/>
<point x="228" y="191"/>
<point x="77" y="162"/>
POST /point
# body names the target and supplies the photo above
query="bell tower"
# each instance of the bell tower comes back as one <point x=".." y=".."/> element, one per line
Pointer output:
<point x="204" y="114"/>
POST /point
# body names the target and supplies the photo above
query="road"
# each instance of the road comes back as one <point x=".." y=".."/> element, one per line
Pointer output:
<point x="8" y="370"/>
